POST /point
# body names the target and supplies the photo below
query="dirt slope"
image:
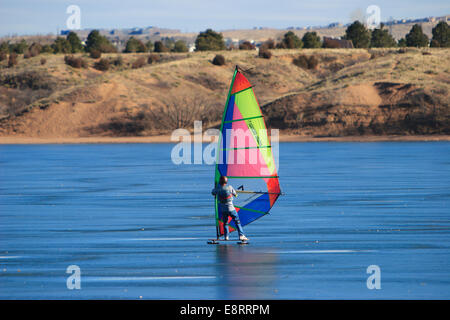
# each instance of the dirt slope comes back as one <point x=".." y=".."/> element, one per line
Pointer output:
<point x="349" y="93"/>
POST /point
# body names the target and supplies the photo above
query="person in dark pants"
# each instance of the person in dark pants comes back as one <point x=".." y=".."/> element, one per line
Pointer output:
<point x="225" y="194"/>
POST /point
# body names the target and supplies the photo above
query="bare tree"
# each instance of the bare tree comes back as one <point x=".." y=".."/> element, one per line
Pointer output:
<point x="182" y="110"/>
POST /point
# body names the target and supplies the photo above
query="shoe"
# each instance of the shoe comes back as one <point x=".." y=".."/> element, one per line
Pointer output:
<point x="227" y="238"/>
<point x="243" y="238"/>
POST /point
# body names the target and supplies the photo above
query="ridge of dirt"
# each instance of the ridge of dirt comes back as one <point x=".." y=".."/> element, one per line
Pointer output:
<point x="351" y="92"/>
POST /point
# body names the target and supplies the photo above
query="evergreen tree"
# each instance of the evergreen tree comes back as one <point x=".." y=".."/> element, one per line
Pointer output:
<point x="61" y="45"/>
<point x="358" y="34"/>
<point x="19" y="47"/>
<point x="416" y="37"/>
<point x="160" y="47"/>
<point x="46" y="48"/>
<point x="4" y="47"/>
<point x="402" y="43"/>
<point x="135" y="45"/>
<point x="149" y="46"/>
<point x="180" y="46"/>
<point x="95" y="41"/>
<point x="209" y="40"/>
<point x="311" y="40"/>
<point x="75" y="42"/>
<point x="381" y="38"/>
<point x="291" y="41"/>
<point x="441" y="35"/>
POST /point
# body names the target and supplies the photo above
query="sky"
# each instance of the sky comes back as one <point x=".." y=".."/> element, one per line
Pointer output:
<point x="30" y="17"/>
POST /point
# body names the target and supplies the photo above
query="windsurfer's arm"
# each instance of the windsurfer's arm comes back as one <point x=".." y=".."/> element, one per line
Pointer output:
<point x="233" y="192"/>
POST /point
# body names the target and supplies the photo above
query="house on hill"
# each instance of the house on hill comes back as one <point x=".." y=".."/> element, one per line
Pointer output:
<point x="336" y="43"/>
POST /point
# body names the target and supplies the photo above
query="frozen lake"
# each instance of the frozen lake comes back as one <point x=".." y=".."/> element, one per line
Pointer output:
<point x="136" y="224"/>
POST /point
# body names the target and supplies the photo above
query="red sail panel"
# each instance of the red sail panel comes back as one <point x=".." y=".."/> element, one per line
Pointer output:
<point x="240" y="83"/>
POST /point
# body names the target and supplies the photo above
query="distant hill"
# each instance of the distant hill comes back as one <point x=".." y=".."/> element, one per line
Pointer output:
<point x="351" y="92"/>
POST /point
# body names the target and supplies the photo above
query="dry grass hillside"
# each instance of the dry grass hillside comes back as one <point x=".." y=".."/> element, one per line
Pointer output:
<point x="349" y="92"/>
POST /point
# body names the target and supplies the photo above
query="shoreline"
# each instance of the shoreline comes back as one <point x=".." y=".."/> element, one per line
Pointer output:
<point x="9" y="140"/>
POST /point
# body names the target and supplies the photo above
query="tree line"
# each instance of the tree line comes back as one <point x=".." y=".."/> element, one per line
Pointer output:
<point x="362" y="37"/>
<point x="94" y="42"/>
<point x="357" y="33"/>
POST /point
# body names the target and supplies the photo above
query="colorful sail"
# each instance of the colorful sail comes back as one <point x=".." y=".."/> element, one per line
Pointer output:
<point x="244" y="155"/>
